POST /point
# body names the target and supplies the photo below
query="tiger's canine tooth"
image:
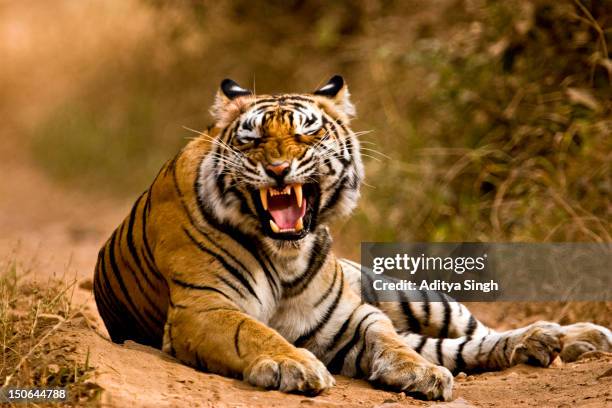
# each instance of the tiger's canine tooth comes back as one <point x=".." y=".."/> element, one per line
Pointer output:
<point x="298" y="194"/>
<point x="263" y="195"/>
<point x="299" y="224"/>
<point x="274" y="227"/>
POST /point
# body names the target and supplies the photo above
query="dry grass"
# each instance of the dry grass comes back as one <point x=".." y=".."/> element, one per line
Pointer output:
<point x="32" y="315"/>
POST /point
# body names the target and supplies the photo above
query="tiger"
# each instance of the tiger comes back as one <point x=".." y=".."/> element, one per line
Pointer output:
<point x="225" y="262"/>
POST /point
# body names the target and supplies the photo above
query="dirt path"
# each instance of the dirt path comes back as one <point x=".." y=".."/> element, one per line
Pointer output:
<point x="64" y="229"/>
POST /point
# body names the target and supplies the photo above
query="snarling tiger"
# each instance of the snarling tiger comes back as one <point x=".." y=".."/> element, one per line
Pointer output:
<point x="225" y="262"/>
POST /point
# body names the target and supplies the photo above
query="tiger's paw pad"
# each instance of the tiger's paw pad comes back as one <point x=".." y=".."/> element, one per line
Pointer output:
<point x="539" y="345"/>
<point x="582" y="338"/>
<point x="420" y="380"/>
<point x="299" y="372"/>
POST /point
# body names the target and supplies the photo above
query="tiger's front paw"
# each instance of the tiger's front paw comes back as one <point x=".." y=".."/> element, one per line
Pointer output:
<point x="299" y="371"/>
<point x="539" y="345"/>
<point x="402" y="372"/>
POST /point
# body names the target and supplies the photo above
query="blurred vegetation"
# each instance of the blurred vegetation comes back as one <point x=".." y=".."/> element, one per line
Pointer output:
<point x="496" y="116"/>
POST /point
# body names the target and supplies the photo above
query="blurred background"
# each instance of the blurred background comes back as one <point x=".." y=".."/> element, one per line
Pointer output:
<point x="489" y="120"/>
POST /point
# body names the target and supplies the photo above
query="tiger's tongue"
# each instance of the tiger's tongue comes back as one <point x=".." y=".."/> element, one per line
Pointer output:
<point x="285" y="212"/>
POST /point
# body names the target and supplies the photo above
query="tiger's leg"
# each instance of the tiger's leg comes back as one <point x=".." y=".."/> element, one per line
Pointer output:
<point x="359" y="341"/>
<point x="432" y="314"/>
<point x="213" y="334"/>
<point x="424" y="323"/>
<point x="536" y="344"/>
<point x="439" y="316"/>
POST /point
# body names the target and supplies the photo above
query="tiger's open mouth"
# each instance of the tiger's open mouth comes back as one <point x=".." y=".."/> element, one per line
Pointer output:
<point x="287" y="212"/>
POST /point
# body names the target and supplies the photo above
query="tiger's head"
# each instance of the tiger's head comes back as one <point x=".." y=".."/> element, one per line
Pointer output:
<point x="280" y="166"/>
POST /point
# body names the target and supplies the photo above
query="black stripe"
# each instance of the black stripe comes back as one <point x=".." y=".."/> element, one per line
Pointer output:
<point x="231" y="285"/>
<point x="426" y="307"/>
<point x="242" y="239"/>
<point x="358" y="370"/>
<point x="337" y="362"/>
<point x="233" y="271"/>
<point x="148" y="253"/>
<point x="421" y="344"/>
<point x="493" y="349"/>
<point x="132" y="247"/>
<point x="339" y="187"/>
<point x="439" y="351"/>
<point x="161" y="316"/>
<point x="109" y="295"/>
<point x="446" y="317"/>
<point x="413" y="323"/>
<point x="170" y="165"/>
<point x="505" y="350"/>
<point x="342" y="330"/>
<point x="237" y="336"/>
<point x="111" y="319"/>
<point x="330" y="288"/>
<point x="459" y="361"/>
<point x="202" y="232"/>
<point x="326" y="316"/>
<point x="117" y="275"/>
<point x="471" y="327"/>
<point x="245" y="209"/>
<point x="188" y="285"/>
<point x="318" y="256"/>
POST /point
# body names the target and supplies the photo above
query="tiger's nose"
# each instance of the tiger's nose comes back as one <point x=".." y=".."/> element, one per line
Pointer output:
<point x="279" y="169"/>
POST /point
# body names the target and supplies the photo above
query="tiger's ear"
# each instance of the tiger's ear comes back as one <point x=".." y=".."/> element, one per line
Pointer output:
<point x="225" y="104"/>
<point x="231" y="89"/>
<point x="337" y="91"/>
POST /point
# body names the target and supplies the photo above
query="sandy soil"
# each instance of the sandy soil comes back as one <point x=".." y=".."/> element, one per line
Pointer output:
<point x="64" y="229"/>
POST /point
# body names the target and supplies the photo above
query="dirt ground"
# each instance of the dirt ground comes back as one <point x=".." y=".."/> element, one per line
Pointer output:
<point x="63" y="231"/>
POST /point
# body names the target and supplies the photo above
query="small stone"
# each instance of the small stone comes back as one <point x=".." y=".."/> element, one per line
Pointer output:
<point x="461" y="376"/>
